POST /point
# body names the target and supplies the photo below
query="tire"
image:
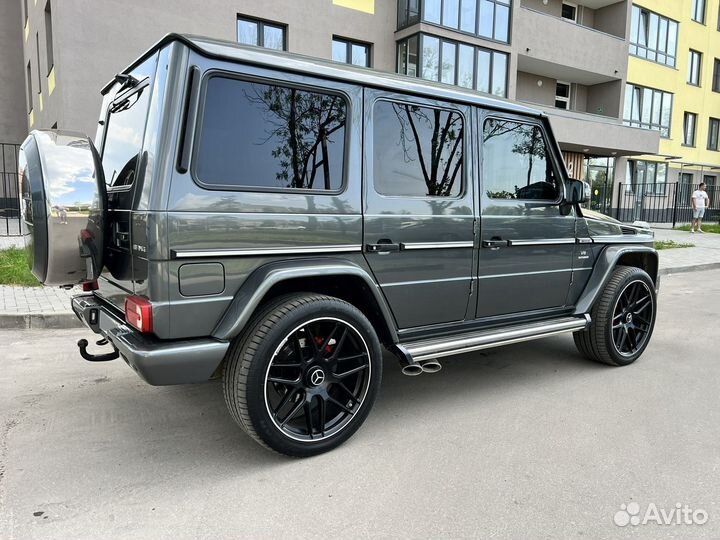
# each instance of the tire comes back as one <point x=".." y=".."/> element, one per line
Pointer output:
<point x="316" y="355"/>
<point x="623" y="319"/>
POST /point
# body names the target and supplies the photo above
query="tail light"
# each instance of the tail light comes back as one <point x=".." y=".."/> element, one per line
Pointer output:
<point x="138" y="313"/>
<point x="90" y="286"/>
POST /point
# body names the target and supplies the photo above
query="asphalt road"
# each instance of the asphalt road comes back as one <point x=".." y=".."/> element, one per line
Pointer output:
<point x="527" y="441"/>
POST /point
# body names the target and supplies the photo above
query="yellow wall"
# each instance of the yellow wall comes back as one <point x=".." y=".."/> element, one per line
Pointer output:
<point x="702" y="100"/>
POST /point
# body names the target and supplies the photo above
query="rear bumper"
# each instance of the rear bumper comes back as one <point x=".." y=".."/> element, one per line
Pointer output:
<point x="158" y="362"/>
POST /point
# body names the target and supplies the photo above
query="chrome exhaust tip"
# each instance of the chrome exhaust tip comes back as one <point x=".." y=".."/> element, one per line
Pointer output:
<point x="431" y="366"/>
<point x="412" y="370"/>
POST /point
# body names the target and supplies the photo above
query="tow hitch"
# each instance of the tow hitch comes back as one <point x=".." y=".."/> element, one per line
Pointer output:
<point x="82" y="345"/>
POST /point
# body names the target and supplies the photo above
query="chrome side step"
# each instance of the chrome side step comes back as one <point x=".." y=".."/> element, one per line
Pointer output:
<point x="484" y="339"/>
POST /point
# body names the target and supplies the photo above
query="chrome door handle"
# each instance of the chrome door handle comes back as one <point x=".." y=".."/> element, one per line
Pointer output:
<point x="384" y="245"/>
<point x="494" y="243"/>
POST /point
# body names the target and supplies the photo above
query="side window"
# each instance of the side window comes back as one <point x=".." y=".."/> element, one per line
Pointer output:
<point x="516" y="164"/>
<point x="417" y="151"/>
<point x="255" y="135"/>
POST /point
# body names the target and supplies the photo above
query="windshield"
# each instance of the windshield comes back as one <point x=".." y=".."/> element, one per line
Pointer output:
<point x="125" y="126"/>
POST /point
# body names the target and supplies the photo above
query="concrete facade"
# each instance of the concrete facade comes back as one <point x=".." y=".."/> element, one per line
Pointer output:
<point x="589" y="53"/>
<point x="13" y="123"/>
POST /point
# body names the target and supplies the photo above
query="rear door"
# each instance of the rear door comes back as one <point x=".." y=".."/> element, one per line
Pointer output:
<point x="121" y="137"/>
<point x="526" y="243"/>
<point x="418" y="206"/>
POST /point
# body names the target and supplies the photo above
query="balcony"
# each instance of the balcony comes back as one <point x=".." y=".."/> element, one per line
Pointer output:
<point x="599" y="135"/>
<point x="556" y="47"/>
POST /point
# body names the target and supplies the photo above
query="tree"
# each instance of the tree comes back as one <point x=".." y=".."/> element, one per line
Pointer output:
<point x="302" y="123"/>
<point x="442" y="164"/>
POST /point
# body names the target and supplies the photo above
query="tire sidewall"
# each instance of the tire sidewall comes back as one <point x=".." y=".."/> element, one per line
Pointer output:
<point x="263" y="354"/>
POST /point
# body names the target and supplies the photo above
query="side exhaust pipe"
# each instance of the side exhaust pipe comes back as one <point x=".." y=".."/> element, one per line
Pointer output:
<point x="412" y="370"/>
<point x="431" y="366"/>
<point x="409" y="366"/>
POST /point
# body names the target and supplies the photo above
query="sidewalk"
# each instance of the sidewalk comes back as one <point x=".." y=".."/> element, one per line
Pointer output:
<point x="45" y="307"/>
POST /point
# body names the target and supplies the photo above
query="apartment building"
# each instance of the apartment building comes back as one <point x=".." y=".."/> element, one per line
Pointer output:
<point x="567" y="58"/>
<point x="673" y="87"/>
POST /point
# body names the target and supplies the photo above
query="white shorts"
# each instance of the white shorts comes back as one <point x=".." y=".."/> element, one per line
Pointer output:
<point x="698" y="213"/>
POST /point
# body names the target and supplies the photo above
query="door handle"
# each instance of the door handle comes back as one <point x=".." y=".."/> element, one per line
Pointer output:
<point x="494" y="243"/>
<point x="384" y="245"/>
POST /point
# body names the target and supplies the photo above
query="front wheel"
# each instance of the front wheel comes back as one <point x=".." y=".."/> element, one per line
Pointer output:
<point x="304" y="376"/>
<point x="623" y="319"/>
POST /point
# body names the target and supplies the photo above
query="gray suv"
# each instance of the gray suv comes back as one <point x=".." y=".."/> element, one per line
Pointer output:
<point x="276" y="221"/>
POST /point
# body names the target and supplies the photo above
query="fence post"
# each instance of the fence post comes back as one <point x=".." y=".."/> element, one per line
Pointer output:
<point x="617" y="208"/>
<point x="675" y="199"/>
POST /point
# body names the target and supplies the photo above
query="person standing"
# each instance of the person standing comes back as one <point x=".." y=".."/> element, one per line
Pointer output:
<point x="699" y="203"/>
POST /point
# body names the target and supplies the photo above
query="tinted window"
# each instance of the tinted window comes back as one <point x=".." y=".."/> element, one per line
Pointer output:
<point x="417" y="151"/>
<point x="125" y="129"/>
<point x="268" y="136"/>
<point x="516" y="164"/>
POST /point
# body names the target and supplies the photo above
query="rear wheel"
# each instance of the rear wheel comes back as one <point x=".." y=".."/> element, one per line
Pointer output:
<point x="304" y="376"/>
<point x="623" y="319"/>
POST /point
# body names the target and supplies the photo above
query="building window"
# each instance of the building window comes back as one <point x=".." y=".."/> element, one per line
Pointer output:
<point x="648" y="108"/>
<point x="713" y="133"/>
<point x="485" y="18"/>
<point x="49" y="37"/>
<point x="689" y="125"/>
<point x="698" y="11"/>
<point x="350" y="52"/>
<point x="270" y="137"/>
<point x="569" y="11"/>
<point x="694" y="67"/>
<point x="653" y="37"/>
<point x="437" y="59"/>
<point x="716" y="76"/>
<point x="37" y="60"/>
<point x="261" y="33"/>
<point x="562" y="95"/>
<point x="28" y="75"/>
<point x="647" y="177"/>
<point x="417" y="151"/>
<point x="516" y="162"/>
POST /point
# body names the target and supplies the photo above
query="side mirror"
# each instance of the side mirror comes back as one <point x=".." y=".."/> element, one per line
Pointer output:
<point x="577" y="191"/>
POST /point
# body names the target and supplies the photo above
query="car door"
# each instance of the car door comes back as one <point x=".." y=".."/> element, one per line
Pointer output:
<point x="526" y="248"/>
<point x="418" y="206"/>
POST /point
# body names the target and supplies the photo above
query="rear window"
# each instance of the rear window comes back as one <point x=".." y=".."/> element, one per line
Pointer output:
<point x="125" y="127"/>
<point x="269" y="136"/>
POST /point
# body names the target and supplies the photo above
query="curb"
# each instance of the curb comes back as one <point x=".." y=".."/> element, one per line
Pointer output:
<point x="684" y="269"/>
<point x="38" y="321"/>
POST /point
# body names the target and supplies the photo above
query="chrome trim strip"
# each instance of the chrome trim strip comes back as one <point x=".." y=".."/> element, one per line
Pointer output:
<point x="425" y="281"/>
<point x="187" y="254"/>
<point x="437" y="245"/>
<point x="541" y="242"/>
<point x="623" y="239"/>
<point x="526" y="273"/>
<point x="487" y="339"/>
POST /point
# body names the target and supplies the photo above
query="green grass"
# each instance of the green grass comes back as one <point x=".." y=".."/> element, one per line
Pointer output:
<point x="671" y="244"/>
<point x="14" y="269"/>
<point x="706" y="227"/>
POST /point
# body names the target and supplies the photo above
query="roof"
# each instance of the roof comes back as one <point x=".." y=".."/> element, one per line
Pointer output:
<point x="307" y="65"/>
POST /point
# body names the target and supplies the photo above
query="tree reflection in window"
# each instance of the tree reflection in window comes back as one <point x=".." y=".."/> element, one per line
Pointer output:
<point x="515" y="162"/>
<point x="417" y="151"/>
<point x="259" y="135"/>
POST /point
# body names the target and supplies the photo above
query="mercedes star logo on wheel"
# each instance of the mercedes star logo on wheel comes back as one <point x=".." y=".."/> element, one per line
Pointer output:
<point x="317" y="377"/>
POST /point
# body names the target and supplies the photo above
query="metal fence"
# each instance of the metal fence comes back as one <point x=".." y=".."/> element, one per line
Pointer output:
<point x="661" y="203"/>
<point x="9" y="192"/>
